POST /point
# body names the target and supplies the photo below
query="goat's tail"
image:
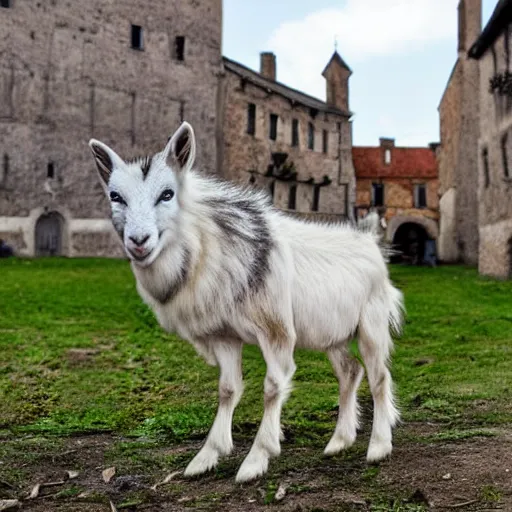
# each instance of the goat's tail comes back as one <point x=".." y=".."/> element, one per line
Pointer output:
<point x="396" y="309"/>
<point x="373" y="224"/>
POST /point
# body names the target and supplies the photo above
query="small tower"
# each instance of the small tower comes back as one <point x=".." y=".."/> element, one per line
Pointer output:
<point x="336" y="75"/>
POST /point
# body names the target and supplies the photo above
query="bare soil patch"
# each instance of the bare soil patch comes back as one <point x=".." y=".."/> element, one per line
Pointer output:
<point x="470" y="474"/>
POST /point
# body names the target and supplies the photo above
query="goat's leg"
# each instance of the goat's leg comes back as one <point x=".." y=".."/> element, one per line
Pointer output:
<point x="374" y="345"/>
<point x="278" y="355"/>
<point x="219" y="441"/>
<point x="349" y="372"/>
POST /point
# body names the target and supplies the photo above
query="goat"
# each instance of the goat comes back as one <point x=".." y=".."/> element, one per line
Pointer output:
<point x="220" y="266"/>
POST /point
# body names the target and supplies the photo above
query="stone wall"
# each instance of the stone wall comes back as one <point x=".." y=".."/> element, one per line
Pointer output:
<point x="458" y="152"/>
<point x="495" y="178"/>
<point x="447" y="156"/>
<point x="467" y="162"/>
<point x="246" y="157"/>
<point x="68" y="73"/>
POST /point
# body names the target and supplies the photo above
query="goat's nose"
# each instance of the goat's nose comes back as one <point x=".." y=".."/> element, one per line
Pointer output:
<point x="139" y="240"/>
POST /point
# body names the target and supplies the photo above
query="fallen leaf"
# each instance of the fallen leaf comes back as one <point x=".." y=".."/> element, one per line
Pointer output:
<point x="108" y="474"/>
<point x="9" y="504"/>
<point x="35" y="491"/>
<point x="281" y="493"/>
<point x="72" y="474"/>
<point x="166" y="480"/>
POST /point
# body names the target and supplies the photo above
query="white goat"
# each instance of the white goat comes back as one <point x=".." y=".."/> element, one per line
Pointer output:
<point x="221" y="267"/>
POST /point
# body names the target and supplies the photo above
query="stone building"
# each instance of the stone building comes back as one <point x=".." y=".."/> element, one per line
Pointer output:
<point x="492" y="53"/>
<point x="294" y="145"/>
<point x="401" y="183"/>
<point x="125" y="72"/>
<point x="458" y="152"/>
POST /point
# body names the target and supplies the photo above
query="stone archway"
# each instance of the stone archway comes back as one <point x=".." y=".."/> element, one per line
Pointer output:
<point x="429" y="225"/>
<point x="48" y="234"/>
<point x="410" y="241"/>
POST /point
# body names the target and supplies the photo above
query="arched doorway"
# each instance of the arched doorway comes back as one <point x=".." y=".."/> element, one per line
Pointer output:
<point x="49" y="234"/>
<point x="410" y="240"/>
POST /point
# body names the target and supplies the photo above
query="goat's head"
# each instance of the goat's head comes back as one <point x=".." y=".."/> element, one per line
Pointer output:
<point x="144" y="193"/>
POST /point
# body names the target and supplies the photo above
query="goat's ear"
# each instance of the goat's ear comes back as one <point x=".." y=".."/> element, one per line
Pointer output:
<point x="106" y="159"/>
<point x="180" y="151"/>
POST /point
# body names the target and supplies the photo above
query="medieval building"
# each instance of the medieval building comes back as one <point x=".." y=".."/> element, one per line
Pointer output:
<point x="458" y="152"/>
<point x="401" y="183"/>
<point x="476" y="144"/>
<point x="124" y="72"/>
<point x="492" y="53"/>
<point x="128" y="73"/>
<point x="295" y="146"/>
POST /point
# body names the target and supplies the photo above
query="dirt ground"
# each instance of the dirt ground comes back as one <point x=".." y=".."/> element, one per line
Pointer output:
<point x="468" y="474"/>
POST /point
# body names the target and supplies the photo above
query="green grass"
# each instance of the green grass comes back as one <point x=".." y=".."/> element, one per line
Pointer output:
<point x="452" y="364"/>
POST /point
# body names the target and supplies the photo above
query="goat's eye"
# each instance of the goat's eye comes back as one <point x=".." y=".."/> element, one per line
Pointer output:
<point x="166" y="195"/>
<point x="116" y="198"/>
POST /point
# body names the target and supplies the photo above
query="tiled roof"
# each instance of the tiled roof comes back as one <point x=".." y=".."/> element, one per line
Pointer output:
<point x="405" y="163"/>
<point x="278" y="88"/>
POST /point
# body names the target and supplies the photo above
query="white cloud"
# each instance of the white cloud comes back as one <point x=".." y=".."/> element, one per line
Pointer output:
<point x="363" y="29"/>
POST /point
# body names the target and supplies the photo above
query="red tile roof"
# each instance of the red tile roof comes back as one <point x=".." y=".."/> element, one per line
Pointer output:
<point x="405" y="163"/>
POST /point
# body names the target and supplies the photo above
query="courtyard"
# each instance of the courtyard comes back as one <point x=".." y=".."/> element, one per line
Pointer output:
<point x="89" y="382"/>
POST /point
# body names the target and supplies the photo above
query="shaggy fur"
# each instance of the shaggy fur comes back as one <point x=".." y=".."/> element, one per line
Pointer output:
<point x="221" y="267"/>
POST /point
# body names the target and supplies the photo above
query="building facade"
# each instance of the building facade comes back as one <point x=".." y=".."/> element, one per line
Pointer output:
<point x="123" y="72"/>
<point x="402" y="184"/>
<point x="458" y="151"/>
<point x="492" y="53"/>
<point x="291" y="144"/>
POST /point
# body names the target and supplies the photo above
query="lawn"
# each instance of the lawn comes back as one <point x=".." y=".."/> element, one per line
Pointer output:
<point x="84" y="364"/>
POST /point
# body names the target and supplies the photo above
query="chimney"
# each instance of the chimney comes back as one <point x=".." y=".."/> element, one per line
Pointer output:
<point x="470" y="23"/>
<point x="268" y="65"/>
<point x="387" y="143"/>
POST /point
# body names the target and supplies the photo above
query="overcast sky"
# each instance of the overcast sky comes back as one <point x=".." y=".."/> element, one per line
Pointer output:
<point x="401" y="53"/>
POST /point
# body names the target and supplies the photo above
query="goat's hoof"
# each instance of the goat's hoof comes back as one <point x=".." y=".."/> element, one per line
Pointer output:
<point x="252" y="467"/>
<point x="204" y="461"/>
<point x="337" y="444"/>
<point x="378" y="450"/>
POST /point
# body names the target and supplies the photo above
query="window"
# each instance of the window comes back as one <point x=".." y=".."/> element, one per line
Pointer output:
<point x="325" y="141"/>
<point x="316" y="198"/>
<point x="485" y="158"/>
<point x="179" y="48"/>
<point x="504" y="155"/>
<point x="5" y="3"/>
<point x="50" y="170"/>
<point x="387" y="156"/>
<point x="4" y="171"/>
<point x="251" y="119"/>
<point x="377" y="194"/>
<point x="272" y="133"/>
<point x="420" y="196"/>
<point x="137" y="39"/>
<point x="295" y="132"/>
<point x="311" y="136"/>
<point x="292" y="197"/>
